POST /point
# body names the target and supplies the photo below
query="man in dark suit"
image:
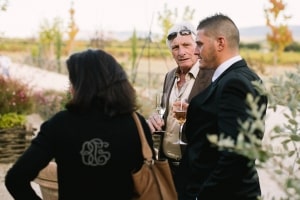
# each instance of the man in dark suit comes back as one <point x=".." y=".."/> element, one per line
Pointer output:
<point x="184" y="81"/>
<point x="207" y="172"/>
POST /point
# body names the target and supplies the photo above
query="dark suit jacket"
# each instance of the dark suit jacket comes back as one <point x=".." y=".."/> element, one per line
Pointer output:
<point x="206" y="172"/>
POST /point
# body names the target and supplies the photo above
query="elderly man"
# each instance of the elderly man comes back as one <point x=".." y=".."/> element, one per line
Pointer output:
<point x="182" y="82"/>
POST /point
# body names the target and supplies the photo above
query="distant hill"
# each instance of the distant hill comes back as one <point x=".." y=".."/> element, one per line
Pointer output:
<point x="259" y="33"/>
<point x="251" y="34"/>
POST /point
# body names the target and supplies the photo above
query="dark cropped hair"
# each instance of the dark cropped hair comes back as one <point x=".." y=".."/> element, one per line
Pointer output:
<point x="220" y="24"/>
<point x="99" y="82"/>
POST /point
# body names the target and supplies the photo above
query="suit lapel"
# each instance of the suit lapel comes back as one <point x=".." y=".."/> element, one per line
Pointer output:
<point x="202" y="81"/>
<point x="212" y="87"/>
<point x="169" y="81"/>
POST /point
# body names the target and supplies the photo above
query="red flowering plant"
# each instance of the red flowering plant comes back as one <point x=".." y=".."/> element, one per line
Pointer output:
<point x="15" y="102"/>
<point x="49" y="102"/>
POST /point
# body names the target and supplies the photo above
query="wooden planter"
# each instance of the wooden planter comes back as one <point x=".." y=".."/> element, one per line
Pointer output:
<point x="47" y="180"/>
<point x="13" y="142"/>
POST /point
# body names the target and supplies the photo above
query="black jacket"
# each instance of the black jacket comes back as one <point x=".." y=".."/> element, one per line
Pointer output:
<point x="206" y="172"/>
<point x="95" y="156"/>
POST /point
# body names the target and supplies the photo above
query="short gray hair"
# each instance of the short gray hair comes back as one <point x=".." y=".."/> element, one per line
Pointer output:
<point x="179" y="27"/>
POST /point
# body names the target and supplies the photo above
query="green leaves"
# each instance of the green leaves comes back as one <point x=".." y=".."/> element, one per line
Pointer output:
<point x="11" y="120"/>
<point x="280" y="155"/>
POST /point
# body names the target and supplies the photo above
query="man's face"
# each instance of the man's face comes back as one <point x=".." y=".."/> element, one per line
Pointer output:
<point x="206" y="51"/>
<point x="182" y="48"/>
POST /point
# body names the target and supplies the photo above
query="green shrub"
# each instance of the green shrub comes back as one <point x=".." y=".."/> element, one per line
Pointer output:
<point x="10" y="120"/>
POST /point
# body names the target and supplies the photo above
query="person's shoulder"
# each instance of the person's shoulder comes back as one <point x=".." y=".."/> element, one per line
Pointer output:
<point x="171" y="72"/>
<point x="59" y="116"/>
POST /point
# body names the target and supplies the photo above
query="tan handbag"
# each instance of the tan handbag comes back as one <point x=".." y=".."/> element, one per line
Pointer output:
<point x="154" y="180"/>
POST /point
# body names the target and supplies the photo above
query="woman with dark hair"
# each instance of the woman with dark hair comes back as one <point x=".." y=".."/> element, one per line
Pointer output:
<point x="94" y="142"/>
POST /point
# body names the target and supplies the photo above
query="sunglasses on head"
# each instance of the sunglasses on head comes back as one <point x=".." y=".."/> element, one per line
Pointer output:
<point x="173" y="35"/>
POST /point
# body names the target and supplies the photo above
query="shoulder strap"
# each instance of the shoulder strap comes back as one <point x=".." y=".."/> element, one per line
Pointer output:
<point x="146" y="150"/>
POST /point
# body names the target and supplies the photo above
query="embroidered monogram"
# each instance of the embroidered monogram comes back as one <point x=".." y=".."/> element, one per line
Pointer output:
<point x="93" y="153"/>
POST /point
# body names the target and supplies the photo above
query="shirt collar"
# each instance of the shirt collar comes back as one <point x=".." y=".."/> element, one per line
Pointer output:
<point x="192" y="73"/>
<point x="225" y="65"/>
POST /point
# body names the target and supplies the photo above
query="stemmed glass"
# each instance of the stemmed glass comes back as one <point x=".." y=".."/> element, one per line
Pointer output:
<point x="160" y="104"/>
<point x="160" y="109"/>
<point x="180" y="115"/>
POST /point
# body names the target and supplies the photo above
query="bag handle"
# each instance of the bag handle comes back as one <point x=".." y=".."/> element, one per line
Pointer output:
<point x="146" y="150"/>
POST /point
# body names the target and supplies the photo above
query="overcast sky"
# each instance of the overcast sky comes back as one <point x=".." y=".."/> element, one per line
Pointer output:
<point x="23" y="17"/>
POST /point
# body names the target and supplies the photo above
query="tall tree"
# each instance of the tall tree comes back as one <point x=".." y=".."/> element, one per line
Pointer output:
<point x="280" y="35"/>
<point x="50" y="42"/>
<point x="133" y="56"/>
<point x="166" y="20"/>
<point x="72" y="31"/>
<point x="168" y="17"/>
<point x="3" y="7"/>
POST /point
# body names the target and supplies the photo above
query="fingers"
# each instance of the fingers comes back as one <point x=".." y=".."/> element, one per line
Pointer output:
<point x="185" y="105"/>
<point x="155" y="122"/>
<point x="178" y="104"/>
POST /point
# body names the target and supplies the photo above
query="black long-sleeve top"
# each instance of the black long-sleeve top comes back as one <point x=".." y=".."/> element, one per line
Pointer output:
<point x="95" y="156"/>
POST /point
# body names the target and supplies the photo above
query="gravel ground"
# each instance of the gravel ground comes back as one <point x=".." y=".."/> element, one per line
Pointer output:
<point x="41" y="79"/>
<point x="269" y="187"/>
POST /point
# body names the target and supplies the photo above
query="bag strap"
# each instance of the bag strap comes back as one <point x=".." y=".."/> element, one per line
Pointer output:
<point x="146" y="150"/>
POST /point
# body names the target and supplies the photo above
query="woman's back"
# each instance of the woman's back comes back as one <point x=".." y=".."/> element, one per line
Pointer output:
<point x="96" y="154"/>
<point x="94" y="142"/>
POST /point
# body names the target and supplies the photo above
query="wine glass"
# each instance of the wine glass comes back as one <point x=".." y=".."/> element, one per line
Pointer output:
<point x="160" y="104"/>
<point x="180" y="115"/>
<point x="160" y="109"/>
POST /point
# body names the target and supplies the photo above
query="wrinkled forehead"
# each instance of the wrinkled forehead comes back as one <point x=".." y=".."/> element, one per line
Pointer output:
<point x="183" y="40"/>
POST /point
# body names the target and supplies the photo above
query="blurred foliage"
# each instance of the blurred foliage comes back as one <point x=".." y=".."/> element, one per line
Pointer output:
<point x="15" y="102"/>
<point x="129" y="54"/>
<point x="50" y="44"/>
<point x="3" y="5"/>
<point x="280" y="157"/>
<point x="49" y="102"/>
<point x="293" y="47"/>
<point x="15" y="97"/>
<point x="280" y="35"/>
<point x="72" y="31"/>
<point x="167" y="17"/>
<point x="18" y="100"/>
<point x="134" y="55"/>
<point x="24" y="51"/>
<point x="10" y="120"/>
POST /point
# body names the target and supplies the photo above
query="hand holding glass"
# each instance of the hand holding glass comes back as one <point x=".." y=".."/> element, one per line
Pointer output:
<point x="160" y="109"/>
<point x="159" y="134"/>
<point x="180" y="114"/>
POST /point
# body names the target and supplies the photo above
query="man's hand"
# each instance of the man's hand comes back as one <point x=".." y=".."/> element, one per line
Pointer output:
<point x="155" y="122"/>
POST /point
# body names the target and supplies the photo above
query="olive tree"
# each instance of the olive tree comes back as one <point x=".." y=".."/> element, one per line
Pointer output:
<point x="279" y="153"/>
